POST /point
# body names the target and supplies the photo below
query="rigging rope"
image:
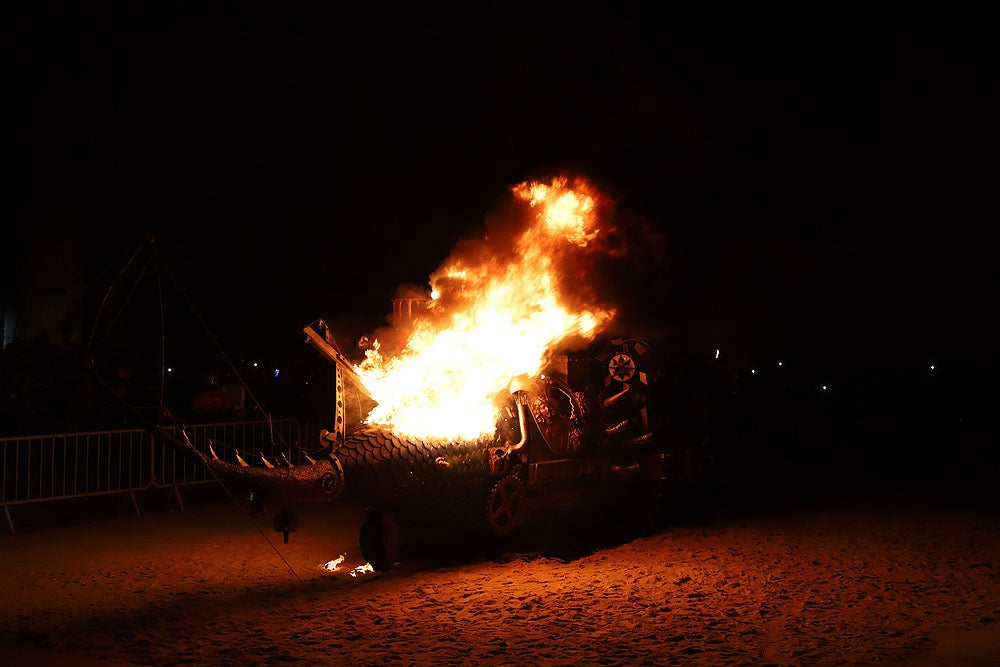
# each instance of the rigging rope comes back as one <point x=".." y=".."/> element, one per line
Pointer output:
<point x="111" y="290"/>
<point x="229" y="493"/>
<point x="276" y="436"/>
<point x="246" y="387"/>
<point x="163" y="328"/>
<point x="154" y="259"/>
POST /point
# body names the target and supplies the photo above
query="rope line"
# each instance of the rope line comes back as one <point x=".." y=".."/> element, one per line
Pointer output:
<point x="243" y="510"/>
<point x="111" y="289"/>
<point x="163" y="328"/>
<point x="284" y="445"/>
<point x="105" y="301"/>
<point x="128" y="297"/>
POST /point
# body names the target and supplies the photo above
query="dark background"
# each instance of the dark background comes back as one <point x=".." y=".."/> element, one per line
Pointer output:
<point x="822" y="178"/>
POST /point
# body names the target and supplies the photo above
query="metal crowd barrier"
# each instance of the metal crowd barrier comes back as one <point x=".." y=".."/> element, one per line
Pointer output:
<point x="37" y="468"/>
<point x="312" y="428"/>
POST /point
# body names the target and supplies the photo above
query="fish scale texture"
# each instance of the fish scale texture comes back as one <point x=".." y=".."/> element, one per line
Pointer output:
<point x="401" y="476"/>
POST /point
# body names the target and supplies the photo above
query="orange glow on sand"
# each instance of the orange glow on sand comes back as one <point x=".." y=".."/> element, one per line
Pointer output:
<point x="501" y="305"/>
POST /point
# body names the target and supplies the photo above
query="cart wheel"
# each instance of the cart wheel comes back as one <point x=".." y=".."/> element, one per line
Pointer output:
<point x="621" y="368"/>
<point x="379" y="540"/>
<point x="505" y="508"/>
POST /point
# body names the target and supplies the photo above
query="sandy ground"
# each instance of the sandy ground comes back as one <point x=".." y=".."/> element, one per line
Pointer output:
<point x="899" y="582"/>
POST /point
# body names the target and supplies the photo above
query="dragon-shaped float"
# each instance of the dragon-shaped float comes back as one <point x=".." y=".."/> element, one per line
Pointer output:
<point x="496" y="392"/>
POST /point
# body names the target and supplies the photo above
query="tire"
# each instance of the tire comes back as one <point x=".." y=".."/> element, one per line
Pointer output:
<point x="404" y="478"/>
<point x="379" y="541"/>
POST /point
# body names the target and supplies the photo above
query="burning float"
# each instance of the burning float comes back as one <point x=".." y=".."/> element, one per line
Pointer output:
<point x="495" y="393"/>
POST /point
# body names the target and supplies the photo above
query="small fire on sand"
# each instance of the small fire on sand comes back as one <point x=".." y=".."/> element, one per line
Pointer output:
<point x="333" y="565"/>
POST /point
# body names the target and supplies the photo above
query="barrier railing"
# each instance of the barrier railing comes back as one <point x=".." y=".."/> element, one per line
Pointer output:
<point x="311" y="429"/>
<point x="60" y="466"/>
<point x="67" y="465"/>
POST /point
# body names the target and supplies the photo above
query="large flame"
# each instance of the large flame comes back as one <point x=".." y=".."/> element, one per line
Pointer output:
<point x="498" y="310"/>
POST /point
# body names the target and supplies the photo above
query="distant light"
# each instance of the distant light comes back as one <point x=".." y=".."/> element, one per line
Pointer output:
<point x="753" y="371"/>
<point x="823" y="387"/>
<point x="781" y="363"/>
<point x="255" y="364"/>
<point x="716" y="353"/>
<point x="171" y="370"/>
<point x="277" y="372"/>
<point x="307" y="381"/>
<point x="932" y="366"/>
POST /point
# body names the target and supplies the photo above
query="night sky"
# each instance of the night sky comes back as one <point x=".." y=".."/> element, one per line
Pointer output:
<point x="823" y="179"/>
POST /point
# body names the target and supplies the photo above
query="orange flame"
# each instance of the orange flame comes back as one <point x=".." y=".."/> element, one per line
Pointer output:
<point x="498" y="310"/>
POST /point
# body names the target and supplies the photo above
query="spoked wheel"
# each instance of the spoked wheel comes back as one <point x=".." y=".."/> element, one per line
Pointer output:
<point x="505" y="508"/>
<point x="621" y="368"/>
<point x="379" y="540"/>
